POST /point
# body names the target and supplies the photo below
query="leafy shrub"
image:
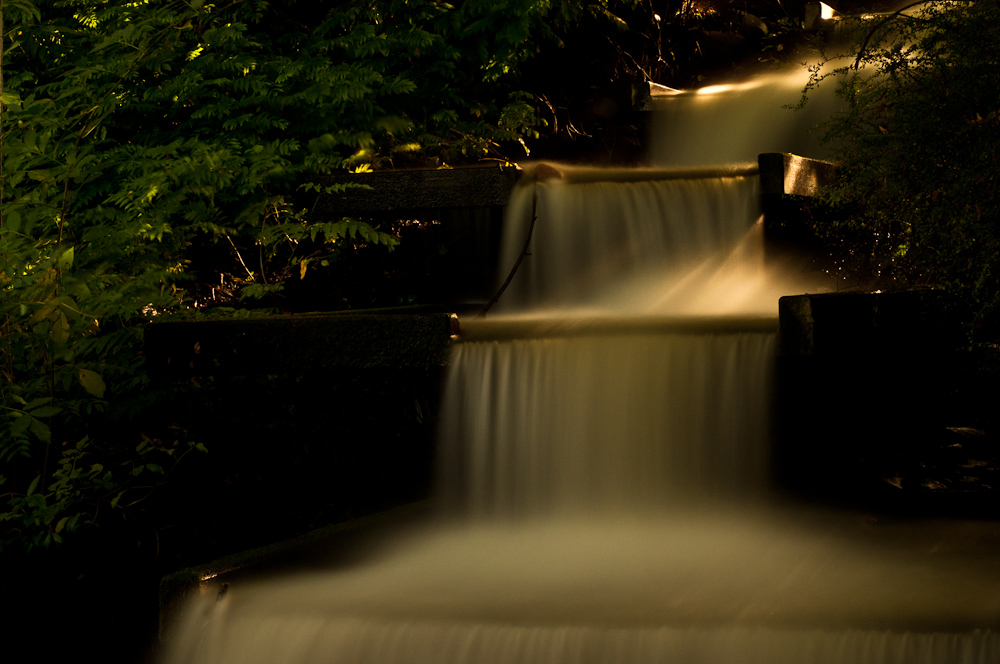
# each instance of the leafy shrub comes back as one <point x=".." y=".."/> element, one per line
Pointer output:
<point x="159" y="154"/>
<point x="919" y="152"/>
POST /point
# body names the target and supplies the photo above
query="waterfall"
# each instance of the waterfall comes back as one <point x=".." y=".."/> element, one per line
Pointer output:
<point x="629" y="245"/>
<point x="430" y="642"/>
<point x="604" y="477"/>
<point x="733" y="123"/>
<point x="606" y="421"/>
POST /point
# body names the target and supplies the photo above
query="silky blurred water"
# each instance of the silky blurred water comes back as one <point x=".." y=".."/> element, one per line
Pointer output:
<point x="604" y="488"/>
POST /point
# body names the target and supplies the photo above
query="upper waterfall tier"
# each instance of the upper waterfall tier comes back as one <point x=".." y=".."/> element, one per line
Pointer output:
<point x="732" y="123"/>
<point x="668" y="245"/>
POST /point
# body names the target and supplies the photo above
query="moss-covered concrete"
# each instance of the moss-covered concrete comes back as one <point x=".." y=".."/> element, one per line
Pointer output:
<point x="297" y="343"/>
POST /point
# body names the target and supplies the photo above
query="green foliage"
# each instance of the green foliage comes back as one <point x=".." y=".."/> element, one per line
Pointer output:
<point x="919" y="152"/>
<point x="153" y="152"/>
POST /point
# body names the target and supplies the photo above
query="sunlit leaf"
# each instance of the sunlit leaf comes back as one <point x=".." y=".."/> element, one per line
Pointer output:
<point x="92" y="382"/>
<point x="66" y="259"/>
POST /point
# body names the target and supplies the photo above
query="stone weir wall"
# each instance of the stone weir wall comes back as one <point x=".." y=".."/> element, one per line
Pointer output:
<point x="298" y="344"/>
<point x="449" y="253"/>
<point x="451" y="225"/>
<point x="308" y="420"/>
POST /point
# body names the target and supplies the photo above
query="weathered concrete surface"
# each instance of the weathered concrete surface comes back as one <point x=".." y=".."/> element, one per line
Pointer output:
<point x="586" y="174"/>
<point x="404" y="191"/>
<point x="783" y="174"/>
<point x="560" y="327"/>
<point x="861" y="324"/>
<point x="814" y="18"/>
<point x="490" y="186"/>
<point x="297" y="343"/>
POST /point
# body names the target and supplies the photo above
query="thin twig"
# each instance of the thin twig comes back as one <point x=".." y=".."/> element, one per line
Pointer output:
<point x="239" y="256"/>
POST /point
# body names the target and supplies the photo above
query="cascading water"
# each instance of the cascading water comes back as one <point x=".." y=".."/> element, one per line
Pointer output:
<point x="708" y="126"/>
<point x="642" y="247"/>
<point x="604" y="466"/>
<point x="610" y="421"/>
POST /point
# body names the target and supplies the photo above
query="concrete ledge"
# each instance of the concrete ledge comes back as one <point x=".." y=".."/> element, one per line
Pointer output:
<point x="538" y="327"/>
<point x="490" y="186"/>
<point x="574" y="174"/>
<point x="783" y="174"/>
<point x="297" y="343"/>
<point x="398" y="191"/>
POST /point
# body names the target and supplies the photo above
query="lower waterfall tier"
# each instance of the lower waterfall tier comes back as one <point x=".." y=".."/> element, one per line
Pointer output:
<point x="698" y="587"/>
<point x="606" y="421"/>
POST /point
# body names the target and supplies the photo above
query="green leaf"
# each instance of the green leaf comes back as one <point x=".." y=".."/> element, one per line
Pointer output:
<point x="41" y="430"/>
<point x="60" y="330"/>
<point x="66" y="260"/>
<point x="92" y="382"/>
<point x="61" y="524"/>
<point x="33" y="485"/>
<point x="12" y="221"/>
<point x="46" y="411"/>
<point x="20" y="425"/>
<point x="43" y="313"/>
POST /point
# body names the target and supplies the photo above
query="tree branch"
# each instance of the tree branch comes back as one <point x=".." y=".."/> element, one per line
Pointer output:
<point x="520" y="258"/>
<point x="875" y="28"/>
